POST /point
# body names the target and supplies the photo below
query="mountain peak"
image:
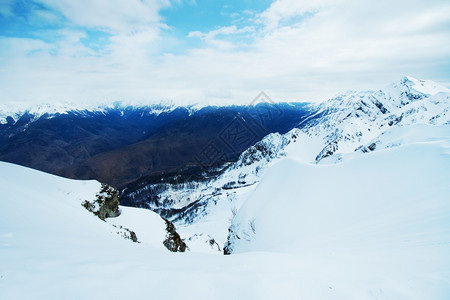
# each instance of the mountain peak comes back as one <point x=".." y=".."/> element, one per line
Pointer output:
<point x="426" y="87"/>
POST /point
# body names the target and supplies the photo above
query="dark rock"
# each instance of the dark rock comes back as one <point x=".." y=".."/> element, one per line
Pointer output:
<point x="173" y="241"/>
<point x="107" y="203"/>
<point x="133" y="236"/>
<point x="372" y="146"/>
<point x="108" y="200"/>
<point x="328" y="150"/>
<point x="10" y="120"/>
<point x="232" y="236"/>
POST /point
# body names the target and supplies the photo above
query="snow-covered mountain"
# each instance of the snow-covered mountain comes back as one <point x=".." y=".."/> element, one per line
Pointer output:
<point x="404" y="116"/>
<point x="350" y="121"/>
<point x="119" y="144"/>
<point x="51" y="247"/>
<point x="352" y="204"/>
<point x="374" y="226"/>
<point x="396" y="197"/>
<point x="383" y="215"/>
<point x="41" y="208"/>
<point x="349" y="124"/>
<point x="353" y="119"/>
<point x="12" y="112"/>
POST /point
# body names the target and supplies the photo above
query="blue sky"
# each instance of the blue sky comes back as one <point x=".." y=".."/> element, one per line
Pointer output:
<point x="189" y="51"/>
<point x="39" y="20"/>
<point x="204" y="15"/>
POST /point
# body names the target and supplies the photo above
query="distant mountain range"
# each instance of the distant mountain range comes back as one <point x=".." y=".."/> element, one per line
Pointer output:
<point x="119" y="144"/>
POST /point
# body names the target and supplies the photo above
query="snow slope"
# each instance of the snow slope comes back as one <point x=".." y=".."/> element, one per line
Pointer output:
<point x="384" y="213"/>
<point x="349" y="122"/>
<point x="339" y="247"/>
<point x="52" y="248"/>
<point x="369" y="220"/>
<point x="386" y="188"/>
<point x="353" y="122"/>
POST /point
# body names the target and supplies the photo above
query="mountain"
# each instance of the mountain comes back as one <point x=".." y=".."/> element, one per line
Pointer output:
<point x="118" y="144"/>
<point x="368" y="220"/>
<point x="353" y="119"/>
<point x="390" y="199"/>
<point x="353" y="123"/>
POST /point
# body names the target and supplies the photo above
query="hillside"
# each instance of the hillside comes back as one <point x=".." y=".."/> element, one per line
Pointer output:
<point x="354" y="203"/>
<point x="372" y="227"/>
<point x="118" y="144"/>
<point x="349" y="123"/>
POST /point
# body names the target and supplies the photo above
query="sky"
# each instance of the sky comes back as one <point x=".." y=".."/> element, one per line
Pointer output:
<point x="216" y="52"/>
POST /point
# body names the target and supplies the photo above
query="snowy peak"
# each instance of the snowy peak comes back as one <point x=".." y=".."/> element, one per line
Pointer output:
<point x="395" y="95"/>
<point x="354" y="118"/>
<point x="12" y="112"/>
<point x="427" y="87"/>
<point x="409" y="89"/>
<point x="342" y="125"/>
<point x="370" y="147"/>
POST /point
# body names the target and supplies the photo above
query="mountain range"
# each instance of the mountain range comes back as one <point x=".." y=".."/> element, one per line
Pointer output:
<point x="348" y="198"/>
<point x="355" y="122"/>
<point x="118" y="144"/>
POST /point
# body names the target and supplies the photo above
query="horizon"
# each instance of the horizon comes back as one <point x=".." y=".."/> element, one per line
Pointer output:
<point x="261" y="98"/>
<point x="198" y="52"/>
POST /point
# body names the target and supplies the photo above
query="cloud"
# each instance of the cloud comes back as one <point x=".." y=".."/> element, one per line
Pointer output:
<point x="227" y="30"/>
<point x="284" y="10"/>
<point x="181" y="2"/>
<point x="111" y="15"/>
<point x="341" y="45"/>
<point x="294" y="50"/>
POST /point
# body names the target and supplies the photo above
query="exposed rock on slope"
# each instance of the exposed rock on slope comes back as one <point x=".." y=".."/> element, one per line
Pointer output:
<point x="107" y="203"/>
<point x="173" y="241"/>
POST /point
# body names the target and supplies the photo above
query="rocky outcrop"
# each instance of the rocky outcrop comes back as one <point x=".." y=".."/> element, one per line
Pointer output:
<point x="127" y="234"/>
<point x="106" y="205"/>
<point x="173" y="241"/>
<point x="328" y="150"/>
<point x="108" y="198"/>
<point x="269" y="148"/>
<point x="232" y="237"/>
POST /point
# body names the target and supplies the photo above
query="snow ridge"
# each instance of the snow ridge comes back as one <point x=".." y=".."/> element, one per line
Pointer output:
<point x="351" y="124"/>
<point x="408" y="112"/>
<point x="11" y="112"/>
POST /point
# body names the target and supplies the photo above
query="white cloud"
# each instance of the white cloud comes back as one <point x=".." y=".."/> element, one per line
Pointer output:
<point x="345" y="44"/>
<point x="112" y="15"/>
<point x="222" y="31"/>
<point x="188" y="2"/>
<point x="283" y="10"/>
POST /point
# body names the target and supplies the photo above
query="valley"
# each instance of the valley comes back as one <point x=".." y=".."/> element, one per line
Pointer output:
<point x="351" y="202"/>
